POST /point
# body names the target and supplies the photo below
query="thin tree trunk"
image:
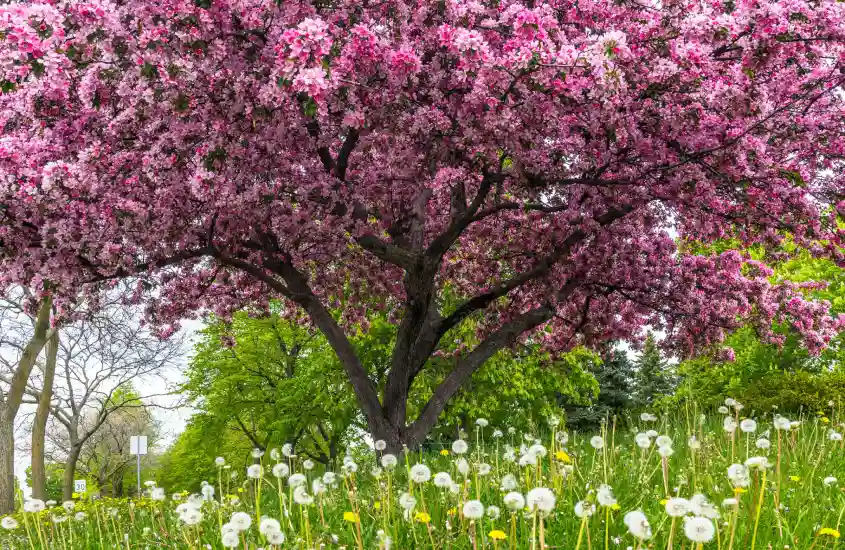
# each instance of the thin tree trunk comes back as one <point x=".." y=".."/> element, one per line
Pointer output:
<point x="42" y="413"/>
<point x="117" y="484"/>
<point x="11" y="402"/>
<point x="7" y="468"/>
<point x="70" y="471"/>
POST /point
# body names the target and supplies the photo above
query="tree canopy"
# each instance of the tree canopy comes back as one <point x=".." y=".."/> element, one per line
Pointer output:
<point x="537" y="158"/>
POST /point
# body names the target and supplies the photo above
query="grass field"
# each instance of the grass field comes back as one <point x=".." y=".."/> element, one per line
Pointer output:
<point x="686" y="481"/>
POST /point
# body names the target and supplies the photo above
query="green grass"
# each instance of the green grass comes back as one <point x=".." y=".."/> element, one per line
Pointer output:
<point x="364" y="511"/>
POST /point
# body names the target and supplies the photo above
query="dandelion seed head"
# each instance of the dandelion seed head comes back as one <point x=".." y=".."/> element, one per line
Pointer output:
<point x="281" y="470"/>
<point x="34" y="506"/>
<point x="420" y="473"/>
<point x="388" y="461"/>
<point x="241" y="521"/>
<point x="699" y="529"/>
<point x="677" y="507"/>
<point x="637" y="524"/>
<point x="748" y="425"/>
<point x="605" y="497"/>
<point x="442" y="480"/>
<point x="514" y="501"/>
<point x="473" y="509"/>
<point x="301" y="496"/>
<point x="231" y="540"/>
<point x="407" y="501"/>
<point x="584" y="509"/>
<point x="297" y="480"/>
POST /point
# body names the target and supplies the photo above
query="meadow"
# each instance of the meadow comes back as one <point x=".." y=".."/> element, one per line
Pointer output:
<point x="688" y="480"/>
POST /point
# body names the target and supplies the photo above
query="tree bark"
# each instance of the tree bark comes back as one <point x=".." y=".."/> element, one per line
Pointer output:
<point x="70" y="471"/>
<point x="117" y="484"/>
<point x="11" y="402"/>
<point x="42" y="413"/>
<point x="7" y="468"/>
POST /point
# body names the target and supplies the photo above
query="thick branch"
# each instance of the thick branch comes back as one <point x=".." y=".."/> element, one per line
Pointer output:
<point x="389" y="253"/>
<point x="504" y="336"/>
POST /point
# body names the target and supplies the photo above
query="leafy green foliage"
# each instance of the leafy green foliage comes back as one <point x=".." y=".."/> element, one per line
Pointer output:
<point x="273" y="380"/>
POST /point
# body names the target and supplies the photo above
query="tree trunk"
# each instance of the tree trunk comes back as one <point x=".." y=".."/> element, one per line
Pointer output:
<point x="70" y="471"/>
<point x="11" y="402"/>
<point x="42" y="413"/>
<point x="117" y="484"/>
<point x="7" y="468"/>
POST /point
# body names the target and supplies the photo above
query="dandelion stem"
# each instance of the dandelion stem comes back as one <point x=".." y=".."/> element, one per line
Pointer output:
<point x="581" y="532"/>
<point x="671" y="534"/>
<point x="759" y="510"/>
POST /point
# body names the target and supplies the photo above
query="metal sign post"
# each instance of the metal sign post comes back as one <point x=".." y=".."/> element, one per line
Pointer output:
<point x="138" y="447"/>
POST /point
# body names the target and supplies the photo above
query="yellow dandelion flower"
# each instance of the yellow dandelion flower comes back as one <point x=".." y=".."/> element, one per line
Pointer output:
<point x="829" y="532"/>
<point x="663" y="501"/>
<point x="444" y="452"/>
<point x="825" y="419"/>
<point x="795" y="478"/>
<point x="739" y="490"/>
<point x="452" y="511"/>
<point x="495" y="534"/>
<point x="563" y="457"/>
<point x="422" y="517"/>
<point x="350" y="516"/>
<point x="377" y="505"/>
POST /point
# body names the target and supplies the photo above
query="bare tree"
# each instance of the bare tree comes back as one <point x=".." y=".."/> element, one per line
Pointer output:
<point x="99" y="359"/>
<point x="24" y="330"/>
<point x="106" y="455"/>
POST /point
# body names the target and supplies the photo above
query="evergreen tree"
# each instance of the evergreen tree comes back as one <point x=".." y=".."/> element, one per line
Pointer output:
<point x="615" y="377"/>
<point x="654" y="377"/>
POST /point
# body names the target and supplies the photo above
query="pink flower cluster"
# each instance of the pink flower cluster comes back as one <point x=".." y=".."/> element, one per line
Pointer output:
<point x="577" y="168"/>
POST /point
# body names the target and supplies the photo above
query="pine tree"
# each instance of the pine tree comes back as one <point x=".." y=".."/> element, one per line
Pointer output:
<point x="615" y="376"/>
<point x="654" y="377"/>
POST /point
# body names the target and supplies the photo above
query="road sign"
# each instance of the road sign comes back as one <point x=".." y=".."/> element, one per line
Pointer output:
<point x="80" y="485"/>
<point x="138" y="445"/>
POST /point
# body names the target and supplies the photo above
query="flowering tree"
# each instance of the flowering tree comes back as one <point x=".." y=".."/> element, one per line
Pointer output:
<point x="538" y="159"/>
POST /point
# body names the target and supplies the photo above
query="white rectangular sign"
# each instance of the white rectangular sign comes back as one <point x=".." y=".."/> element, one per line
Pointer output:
<point x="80" y="485"/>
<point x="138" y="445"/>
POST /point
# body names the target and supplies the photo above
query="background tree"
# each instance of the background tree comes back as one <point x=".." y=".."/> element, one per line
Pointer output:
<point x="105" y="455"/>
<point x="616" y="379"/>
<point x="276" y="381"/>
<point x="190" y="459"/>
<point x="100" y="359"/>
<point x="654" y="377"/>
<point x="24" y="330"/>
<point x="539" y="161"/>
